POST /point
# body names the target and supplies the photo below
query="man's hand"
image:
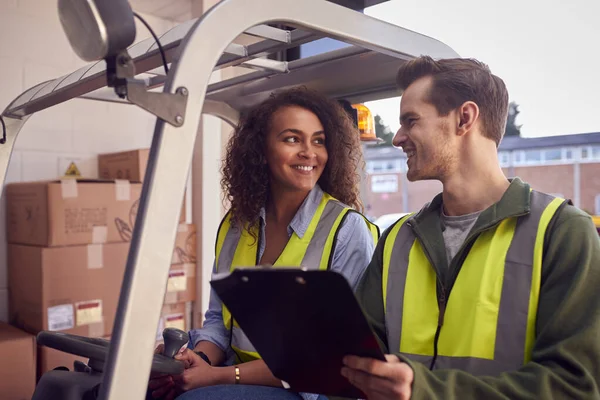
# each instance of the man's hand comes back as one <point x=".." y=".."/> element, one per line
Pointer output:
<point x="197" y="372"/>
<point x="379" y="380"/>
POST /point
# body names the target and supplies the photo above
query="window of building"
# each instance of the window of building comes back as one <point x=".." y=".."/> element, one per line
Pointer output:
<point x="568" y="154"/>
<point x="553" y="154"/>
<point x="504" y="158"/>
<point x="517" y="157"/>
<point x="384" y="183"/>
<point x="596" y="152"/>
<point x="533" y="156"/>
<point x="385" y="165"/>
<point x="584" y="153"/>
<point x="597" y="210"/>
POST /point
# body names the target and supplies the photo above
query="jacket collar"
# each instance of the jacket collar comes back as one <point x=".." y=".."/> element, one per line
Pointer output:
<point x="514" y="202"/>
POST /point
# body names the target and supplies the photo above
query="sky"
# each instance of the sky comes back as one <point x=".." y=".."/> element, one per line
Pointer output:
<point x="547" y="52"/>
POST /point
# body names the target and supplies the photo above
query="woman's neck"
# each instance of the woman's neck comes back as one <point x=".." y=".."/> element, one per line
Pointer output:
<point x="282" y="207"/>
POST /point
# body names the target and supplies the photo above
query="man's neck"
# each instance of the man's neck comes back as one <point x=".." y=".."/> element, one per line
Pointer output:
<point x="473" y="190"/>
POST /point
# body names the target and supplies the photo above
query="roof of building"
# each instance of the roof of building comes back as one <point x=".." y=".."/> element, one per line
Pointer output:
<point x="508" y="143"/>
<point x="521" y="143"/>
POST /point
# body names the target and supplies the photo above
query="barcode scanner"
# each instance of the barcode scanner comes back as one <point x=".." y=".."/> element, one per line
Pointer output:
<point x="174" y="339"/>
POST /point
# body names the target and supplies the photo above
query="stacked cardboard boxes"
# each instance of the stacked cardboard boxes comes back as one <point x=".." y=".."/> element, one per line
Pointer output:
<point x="68" y="246"/>
<point x="66" y="255"/>
<point x="181" y="287"/>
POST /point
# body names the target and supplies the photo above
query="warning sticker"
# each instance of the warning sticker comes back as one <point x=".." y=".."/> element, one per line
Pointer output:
<point x="88" y="312"/>
<point x="177" y="281"/>
<point x="72" y="170"/>
<point x="60" y="317"/>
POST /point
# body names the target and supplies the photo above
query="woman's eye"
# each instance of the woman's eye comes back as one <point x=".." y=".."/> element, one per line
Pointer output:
<point x="320" y="141"/>
<point x="290" y="139"/>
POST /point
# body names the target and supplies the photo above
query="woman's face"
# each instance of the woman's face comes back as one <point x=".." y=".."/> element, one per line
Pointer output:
<point x="295" y="149"/>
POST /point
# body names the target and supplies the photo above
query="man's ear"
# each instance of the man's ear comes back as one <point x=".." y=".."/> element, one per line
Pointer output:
<point x="467" y="115"/>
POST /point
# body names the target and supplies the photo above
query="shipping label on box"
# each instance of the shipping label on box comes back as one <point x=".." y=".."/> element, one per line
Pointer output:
<point x="177" y="281"/>
<point x="61" y="317"/>
<point x="88" y="312"/>
<point x="66" y="289"/>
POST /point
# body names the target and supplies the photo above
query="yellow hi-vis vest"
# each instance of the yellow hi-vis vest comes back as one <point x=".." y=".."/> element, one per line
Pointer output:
<point x="486" y="324"/>
<point x="237" y="248"/>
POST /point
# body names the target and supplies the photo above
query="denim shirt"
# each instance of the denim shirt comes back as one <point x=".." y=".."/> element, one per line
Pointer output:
<point x="353" y="250"/>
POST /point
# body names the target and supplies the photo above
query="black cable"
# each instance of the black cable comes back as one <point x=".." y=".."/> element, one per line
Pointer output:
<point x="3" y="138"/>
<point x="160" y="48"/>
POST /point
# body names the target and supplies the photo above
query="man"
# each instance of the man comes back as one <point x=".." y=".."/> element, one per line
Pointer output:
<point x="489" y="291"/>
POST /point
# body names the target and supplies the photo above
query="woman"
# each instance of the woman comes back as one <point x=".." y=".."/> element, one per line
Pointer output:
<point x="290" y="176"/>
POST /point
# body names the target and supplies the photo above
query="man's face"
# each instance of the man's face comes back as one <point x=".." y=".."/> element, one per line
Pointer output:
<point x="424" y="135"/>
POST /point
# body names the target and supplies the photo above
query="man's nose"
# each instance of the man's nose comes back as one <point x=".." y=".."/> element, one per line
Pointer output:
<point x="399" y="138"/>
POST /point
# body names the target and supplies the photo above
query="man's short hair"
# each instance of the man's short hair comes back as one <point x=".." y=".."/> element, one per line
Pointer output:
<point x="458" y="80"/>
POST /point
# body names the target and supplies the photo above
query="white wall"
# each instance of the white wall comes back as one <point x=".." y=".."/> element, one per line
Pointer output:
<point x="33" y="48"/>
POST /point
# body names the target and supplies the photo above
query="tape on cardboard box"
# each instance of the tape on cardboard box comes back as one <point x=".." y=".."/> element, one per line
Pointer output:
<point x="68" y="188"/>
<point x="182" y="228"/>
<point x="122" y="190"/>
<point x="95" y="258"/>
<point x="96" y="329"/>
<point x="99" y="234"/>
<point x="190" y="270"/>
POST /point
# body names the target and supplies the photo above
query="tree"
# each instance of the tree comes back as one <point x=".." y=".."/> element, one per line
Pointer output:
<point x="512" y="129"/>
<point x="383" y="131"/>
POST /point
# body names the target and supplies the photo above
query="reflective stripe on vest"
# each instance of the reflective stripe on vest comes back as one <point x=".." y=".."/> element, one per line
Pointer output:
<point x="489" y="323"/>
<point x="314" y="250"/>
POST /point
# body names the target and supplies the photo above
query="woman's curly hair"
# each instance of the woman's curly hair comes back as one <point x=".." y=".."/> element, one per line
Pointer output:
<point x="245" y="181"/>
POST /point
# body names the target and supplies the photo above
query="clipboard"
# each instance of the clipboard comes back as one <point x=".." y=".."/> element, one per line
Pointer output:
<point x="302" y="323"/>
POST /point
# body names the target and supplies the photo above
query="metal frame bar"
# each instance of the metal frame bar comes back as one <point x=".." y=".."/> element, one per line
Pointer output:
<point x="92" y="77"/>
<point x="128" y="366"/>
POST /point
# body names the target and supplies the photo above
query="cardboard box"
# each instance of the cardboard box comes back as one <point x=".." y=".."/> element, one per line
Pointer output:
<point x="71" y="212"/>
<point x="48" y="359"/>
<point x="185" y="245"/>
<point x="71" y="289"/>
<point x="181" y="286"/>
<point x="17" y="363"/>
<point x="130" y="165"/>
<point x="172" y="316"/>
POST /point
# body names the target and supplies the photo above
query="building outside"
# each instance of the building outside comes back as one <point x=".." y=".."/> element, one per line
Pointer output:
<point x="567" y="166"/>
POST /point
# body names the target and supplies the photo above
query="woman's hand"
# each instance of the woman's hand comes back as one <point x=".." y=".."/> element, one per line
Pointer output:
<point x="198" y="373"/>
<point x="162" y="386"/>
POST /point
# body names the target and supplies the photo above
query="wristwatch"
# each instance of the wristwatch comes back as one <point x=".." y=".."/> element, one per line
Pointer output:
<point x="204" y="357"/>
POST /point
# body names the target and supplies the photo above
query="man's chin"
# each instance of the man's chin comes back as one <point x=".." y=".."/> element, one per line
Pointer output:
<point x="415" y="176"/>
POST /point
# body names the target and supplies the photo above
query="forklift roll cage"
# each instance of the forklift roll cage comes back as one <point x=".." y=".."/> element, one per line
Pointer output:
<point x="363" y="71"/>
